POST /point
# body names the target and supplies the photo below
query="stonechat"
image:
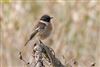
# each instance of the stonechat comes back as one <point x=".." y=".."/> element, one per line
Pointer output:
<point x="43" y="28"/>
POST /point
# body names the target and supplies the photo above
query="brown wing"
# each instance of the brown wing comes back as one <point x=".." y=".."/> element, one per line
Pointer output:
<point x="41" y="25"/>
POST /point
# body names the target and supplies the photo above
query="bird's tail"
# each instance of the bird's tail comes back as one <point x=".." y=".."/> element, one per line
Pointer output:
<point x="32" y="35"/>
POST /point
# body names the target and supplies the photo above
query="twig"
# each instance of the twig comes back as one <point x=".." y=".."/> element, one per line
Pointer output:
<point x="39" y="51"/>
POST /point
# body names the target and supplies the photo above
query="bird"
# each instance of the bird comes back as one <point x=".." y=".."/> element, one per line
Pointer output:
<point x="43" y="28"/>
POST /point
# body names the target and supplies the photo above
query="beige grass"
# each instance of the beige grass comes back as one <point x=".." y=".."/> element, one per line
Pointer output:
<point x="76" y="32"/>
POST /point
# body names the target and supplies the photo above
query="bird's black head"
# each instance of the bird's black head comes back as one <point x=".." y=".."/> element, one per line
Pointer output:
<point x="46" y="18"/>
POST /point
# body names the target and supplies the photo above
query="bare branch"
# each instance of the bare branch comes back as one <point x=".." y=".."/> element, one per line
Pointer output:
<point x="40" y="51"/>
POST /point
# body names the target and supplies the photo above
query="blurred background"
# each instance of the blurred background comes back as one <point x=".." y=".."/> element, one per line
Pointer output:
<point x="75" y="35"/>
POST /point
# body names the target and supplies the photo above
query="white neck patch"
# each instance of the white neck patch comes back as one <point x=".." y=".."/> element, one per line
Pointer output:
<point x="44" y="22"/>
